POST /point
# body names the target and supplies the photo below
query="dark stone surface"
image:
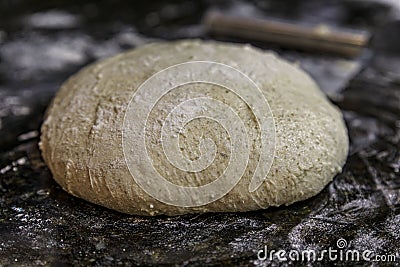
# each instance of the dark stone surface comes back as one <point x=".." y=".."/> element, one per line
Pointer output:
<point x="42" y="43"/>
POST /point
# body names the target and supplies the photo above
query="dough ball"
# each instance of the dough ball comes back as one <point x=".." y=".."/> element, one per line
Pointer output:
<point x="193" y="126"/>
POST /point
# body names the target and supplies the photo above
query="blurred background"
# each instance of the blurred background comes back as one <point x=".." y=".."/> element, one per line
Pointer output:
<point x="42" y="43"/>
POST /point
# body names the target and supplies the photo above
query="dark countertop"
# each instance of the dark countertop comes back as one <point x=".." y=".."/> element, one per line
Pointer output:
<point x="42" y="43"/>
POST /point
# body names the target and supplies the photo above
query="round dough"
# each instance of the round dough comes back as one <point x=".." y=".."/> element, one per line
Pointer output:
<point x="83" y="133"/>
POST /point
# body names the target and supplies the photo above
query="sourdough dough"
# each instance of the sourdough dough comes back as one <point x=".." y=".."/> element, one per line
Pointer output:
<point x="82" y="134"/>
